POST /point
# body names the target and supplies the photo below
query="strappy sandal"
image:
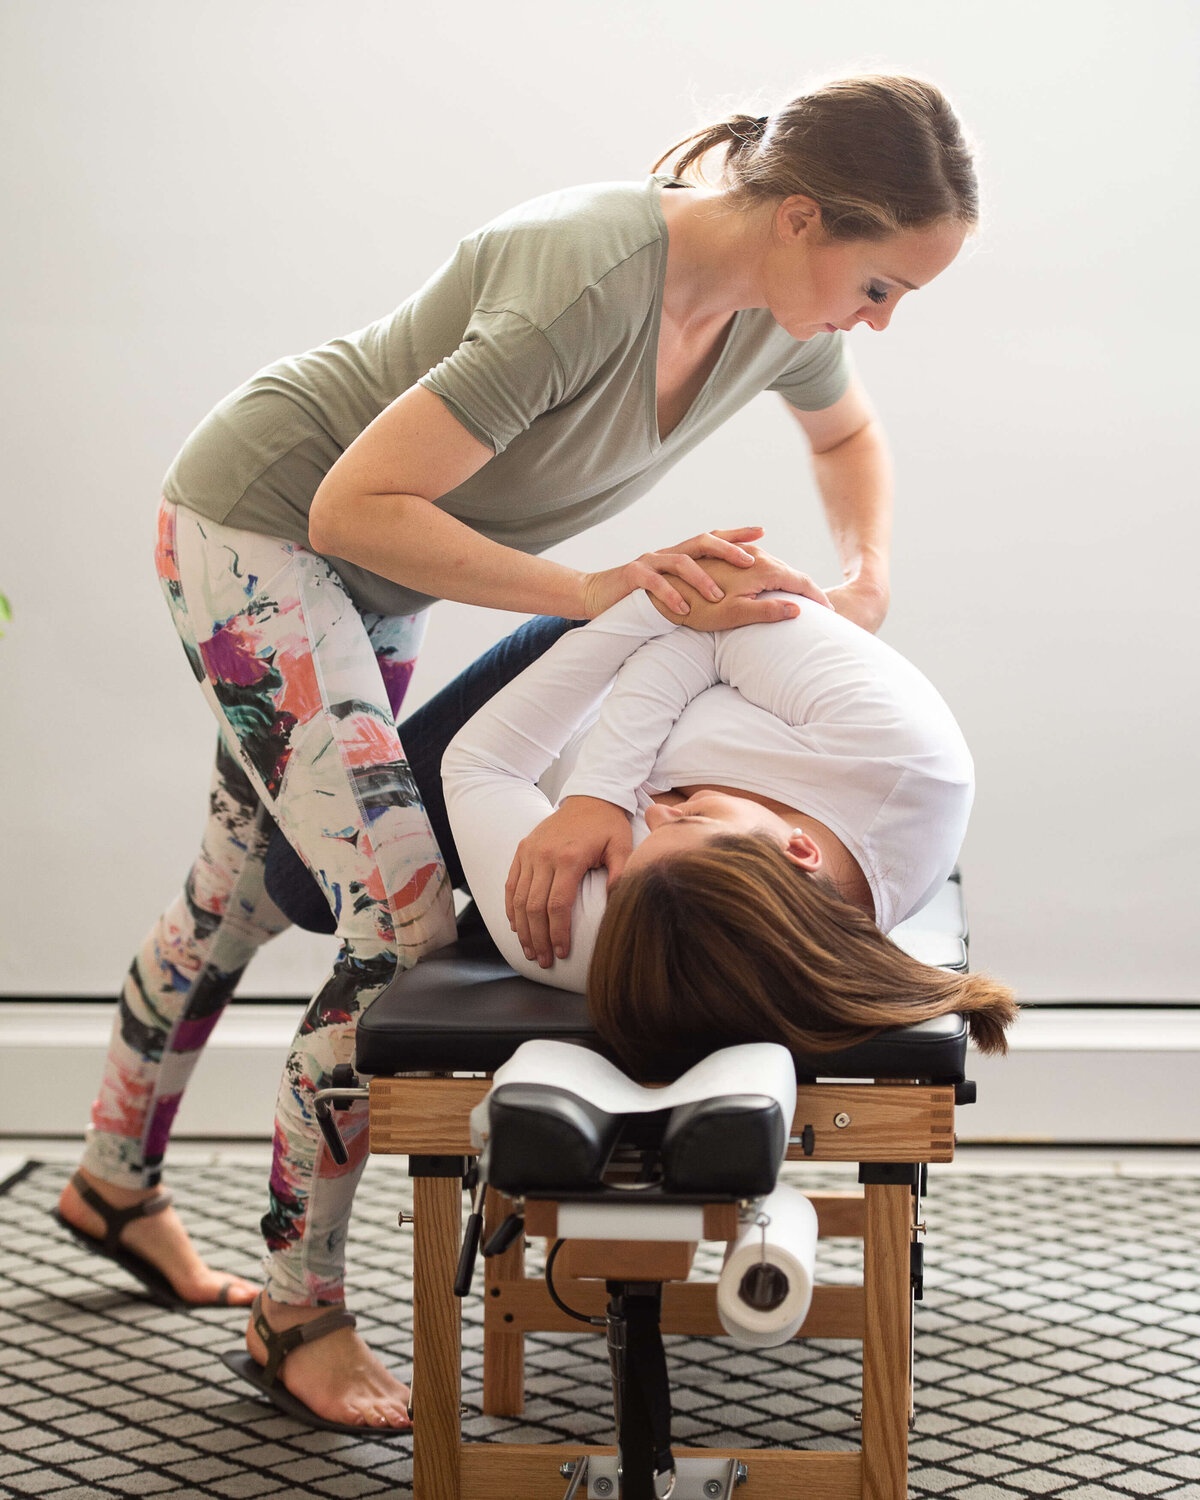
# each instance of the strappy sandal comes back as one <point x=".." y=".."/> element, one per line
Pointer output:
<point x="155" y="1284"/>
<point x="279" y="1344"/>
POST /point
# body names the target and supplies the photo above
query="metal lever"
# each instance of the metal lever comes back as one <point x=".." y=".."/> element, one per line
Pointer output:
<point x="504" y="1236"/>
<point x="345" y="1090"/>
<point x="470" y="1245"/>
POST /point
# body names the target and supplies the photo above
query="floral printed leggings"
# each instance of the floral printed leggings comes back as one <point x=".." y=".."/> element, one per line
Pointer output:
<point x="305" y="689"/>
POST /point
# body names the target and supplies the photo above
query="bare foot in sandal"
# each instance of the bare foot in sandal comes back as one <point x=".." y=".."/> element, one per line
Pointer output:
<point x="139" y="1230"/>
<point x="335" y="1376"/>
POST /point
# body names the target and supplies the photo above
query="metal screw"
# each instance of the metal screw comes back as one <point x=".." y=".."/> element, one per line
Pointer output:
<point x="841" y="1120"/>
<point x="402" y="1219"/>
<point x="713" y="1488"/>
<point x="741" y="1473"/>
<point x="602" y="1486"/>
<point x="566" y="1470"/>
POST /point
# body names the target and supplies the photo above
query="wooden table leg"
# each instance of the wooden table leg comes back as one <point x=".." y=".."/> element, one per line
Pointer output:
<point x="437" y="1338"/>
<point x="887" y="1292"/>
<point x="503" y="1349"/>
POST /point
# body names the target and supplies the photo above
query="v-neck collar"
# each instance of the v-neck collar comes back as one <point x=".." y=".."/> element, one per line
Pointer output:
<point x="657" y="181"/>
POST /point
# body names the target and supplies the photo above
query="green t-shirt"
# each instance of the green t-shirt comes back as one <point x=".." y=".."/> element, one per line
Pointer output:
<point x="541" y="336"/>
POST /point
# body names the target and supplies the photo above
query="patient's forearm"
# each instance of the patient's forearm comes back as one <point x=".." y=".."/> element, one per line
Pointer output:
<point x="522" y="729"/>
<point x="651" y="690"/>
<point x="492" y="764"/>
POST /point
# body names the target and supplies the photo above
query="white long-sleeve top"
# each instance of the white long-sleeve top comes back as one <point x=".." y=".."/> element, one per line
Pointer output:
<point x="814" y="712"/>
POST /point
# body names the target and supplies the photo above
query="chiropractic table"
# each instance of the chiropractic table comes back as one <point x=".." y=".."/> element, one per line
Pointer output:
<point x="629" y="1187"/>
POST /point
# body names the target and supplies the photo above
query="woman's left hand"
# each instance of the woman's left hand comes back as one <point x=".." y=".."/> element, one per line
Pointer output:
<point x="742" y="586"/>
<point x="673" y="575"/>
<point x="860" y="600"/>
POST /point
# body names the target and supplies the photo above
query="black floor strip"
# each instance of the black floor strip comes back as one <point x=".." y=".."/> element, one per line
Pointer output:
<point x="22" y="1172"/>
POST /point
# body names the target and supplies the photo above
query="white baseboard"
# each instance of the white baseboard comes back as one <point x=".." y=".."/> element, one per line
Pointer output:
<point x="1073" y="1076"/>
<point x="52" y="1054"/>
<point x="1091" y="1076"/>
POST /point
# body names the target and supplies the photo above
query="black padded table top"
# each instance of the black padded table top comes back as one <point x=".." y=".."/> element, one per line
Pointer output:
<point x="465" y="1011"/>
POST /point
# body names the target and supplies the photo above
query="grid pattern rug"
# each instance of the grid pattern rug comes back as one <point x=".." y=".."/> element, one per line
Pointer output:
<point x="1058" y="1353"/>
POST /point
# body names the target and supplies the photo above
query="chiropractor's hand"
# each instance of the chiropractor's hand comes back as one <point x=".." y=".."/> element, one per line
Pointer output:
<point x="661" y="574"/>
<point x="742" y="586"/>
<point x="583" y="834"/>
<point x="863" y="601"/>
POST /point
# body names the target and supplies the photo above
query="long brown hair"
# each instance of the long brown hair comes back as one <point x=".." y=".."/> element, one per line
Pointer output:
<point x="878" y="154"/>
<point x="731" y="942"/>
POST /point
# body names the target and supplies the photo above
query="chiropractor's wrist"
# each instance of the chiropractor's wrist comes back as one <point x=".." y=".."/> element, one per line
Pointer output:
<point x="869" y="570"/>
<point x="863" y="598"/>
<point x="871" y="582"/>
<point x="866" y="563"/>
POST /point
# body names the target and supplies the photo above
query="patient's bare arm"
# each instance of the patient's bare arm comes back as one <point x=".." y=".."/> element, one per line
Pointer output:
<point x="741" y="605"/>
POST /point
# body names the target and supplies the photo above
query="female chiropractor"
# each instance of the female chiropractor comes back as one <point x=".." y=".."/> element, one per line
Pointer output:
<point x="564" y="358"/>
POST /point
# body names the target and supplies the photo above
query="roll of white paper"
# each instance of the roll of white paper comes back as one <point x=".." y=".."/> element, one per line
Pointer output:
<point x="766" y="1284"/>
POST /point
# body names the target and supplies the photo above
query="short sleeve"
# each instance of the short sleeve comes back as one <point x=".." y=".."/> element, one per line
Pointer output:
<point x="819" y="375"/>
<point x="502" y="376"/>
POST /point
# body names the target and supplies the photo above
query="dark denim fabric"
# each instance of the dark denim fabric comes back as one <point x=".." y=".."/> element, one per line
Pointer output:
<point x="424" y="735"/>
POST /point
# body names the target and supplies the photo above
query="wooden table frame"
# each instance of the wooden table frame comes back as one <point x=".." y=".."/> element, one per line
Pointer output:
<point x="889" y="1128"/>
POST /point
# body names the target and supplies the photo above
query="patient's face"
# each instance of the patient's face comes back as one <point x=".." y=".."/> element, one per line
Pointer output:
<point x="704" y="815"/>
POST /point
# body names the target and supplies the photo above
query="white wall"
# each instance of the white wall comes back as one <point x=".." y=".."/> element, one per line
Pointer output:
<point x="193" y="190"/>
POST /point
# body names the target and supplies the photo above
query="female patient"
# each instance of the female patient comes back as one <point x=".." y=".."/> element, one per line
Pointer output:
<point x="792" y="791"/>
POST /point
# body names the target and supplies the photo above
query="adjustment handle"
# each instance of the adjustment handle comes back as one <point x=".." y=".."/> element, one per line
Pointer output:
<point x="339" y="1097"/>
<point x="470" y="1245"/>
<point x="504" y="1236"/>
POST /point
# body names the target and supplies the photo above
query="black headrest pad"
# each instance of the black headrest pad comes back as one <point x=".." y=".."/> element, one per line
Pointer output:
<point x="543" y="1139"/>
<point x="732" y="1143"/>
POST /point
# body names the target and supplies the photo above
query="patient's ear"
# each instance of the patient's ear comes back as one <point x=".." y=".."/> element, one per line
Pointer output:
<point x="802" y="851"/>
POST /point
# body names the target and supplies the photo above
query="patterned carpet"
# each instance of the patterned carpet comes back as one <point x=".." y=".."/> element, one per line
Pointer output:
<point x="1058" y="1353"/>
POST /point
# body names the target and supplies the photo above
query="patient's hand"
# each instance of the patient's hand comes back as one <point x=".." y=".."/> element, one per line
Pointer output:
<point x="741" y="606"/>
<point x="583" y="834"/>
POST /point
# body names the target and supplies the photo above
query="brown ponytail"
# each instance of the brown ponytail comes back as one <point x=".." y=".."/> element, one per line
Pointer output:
<point x="739" y="134"/>
<point x="730" y="942"/>
<point x="878" y="154"/>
